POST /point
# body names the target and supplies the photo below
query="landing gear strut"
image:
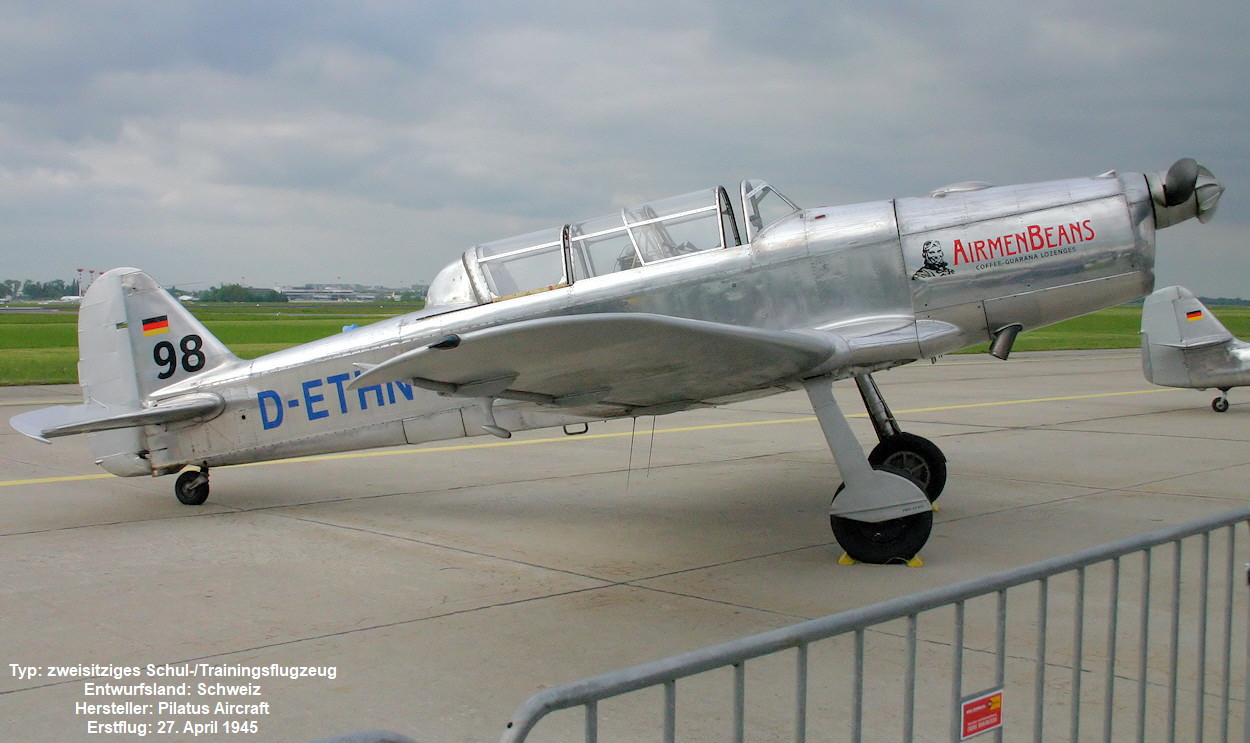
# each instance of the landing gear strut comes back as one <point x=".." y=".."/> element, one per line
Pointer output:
<point x="1220" y="404"/>
<point x="192" y="487"/>
<point x="879" y="514"/>
<point x="914" y="455"/>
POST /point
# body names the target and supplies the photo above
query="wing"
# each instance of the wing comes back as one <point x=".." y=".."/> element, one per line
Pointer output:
<point x="882" y="342"/>
<point x="611" y="364"/>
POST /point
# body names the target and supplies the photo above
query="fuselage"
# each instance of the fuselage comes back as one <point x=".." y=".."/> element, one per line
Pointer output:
<point x="979" y="259"/>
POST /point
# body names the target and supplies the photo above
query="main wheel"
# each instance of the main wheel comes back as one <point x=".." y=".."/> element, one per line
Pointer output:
<point x="192" y="487"/>
<point x="879" y="543"/>
<point x="914" y="456"/>
<point x="1220" y="404"/>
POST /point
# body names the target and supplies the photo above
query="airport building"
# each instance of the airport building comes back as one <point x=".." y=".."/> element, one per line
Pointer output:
<point x="346" y="292"/>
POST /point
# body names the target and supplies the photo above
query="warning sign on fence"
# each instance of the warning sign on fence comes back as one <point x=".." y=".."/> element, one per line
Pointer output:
<point x="981" y="713"/>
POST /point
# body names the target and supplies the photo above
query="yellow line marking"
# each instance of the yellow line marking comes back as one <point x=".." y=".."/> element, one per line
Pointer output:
<point x="43" y="480"/>
<point x="1036" y="399"/>
<point x="392" y="452"/>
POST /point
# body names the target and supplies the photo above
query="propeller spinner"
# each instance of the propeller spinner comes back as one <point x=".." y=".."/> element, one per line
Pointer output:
<point x="1187" y="190"/>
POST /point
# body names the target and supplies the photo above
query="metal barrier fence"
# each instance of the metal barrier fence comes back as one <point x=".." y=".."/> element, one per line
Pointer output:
<point x="1090" y="648"/>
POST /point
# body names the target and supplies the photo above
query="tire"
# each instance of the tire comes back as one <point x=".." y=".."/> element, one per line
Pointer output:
<point x="1220" y="404"/>
<point x="188" y="492"/>
<point x="880" y="543"/>
<point x="914" y="456"/>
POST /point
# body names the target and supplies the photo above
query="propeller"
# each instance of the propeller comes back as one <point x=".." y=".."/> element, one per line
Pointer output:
<point x="1180" y="181"/>
<point x="1187" y="190"/>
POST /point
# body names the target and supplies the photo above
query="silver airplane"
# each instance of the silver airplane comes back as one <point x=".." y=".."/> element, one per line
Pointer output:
<point x="675" y="304"/>
<point x="1184" y="345"/>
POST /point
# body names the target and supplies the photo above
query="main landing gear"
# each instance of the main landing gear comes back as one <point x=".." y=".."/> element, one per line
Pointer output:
<point x="192" y="487"/>
<point x="915" y="455"/>
<point x="883" y="511"/>
<point x="1220" y="404"/>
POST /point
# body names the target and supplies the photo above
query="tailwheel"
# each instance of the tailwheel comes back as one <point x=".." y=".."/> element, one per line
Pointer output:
<point x="914" y="456"/>
<point x="192" y="487"/>
<point x="883" y="542"/>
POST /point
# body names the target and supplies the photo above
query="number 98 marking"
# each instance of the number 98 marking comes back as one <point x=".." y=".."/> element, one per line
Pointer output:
<point x="166" y="356"/>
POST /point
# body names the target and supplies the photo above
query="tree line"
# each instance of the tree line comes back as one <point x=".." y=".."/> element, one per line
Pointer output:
<point x="240" y="293"/>
<point x="15" y="289"/>
<point x="27" y="289"/>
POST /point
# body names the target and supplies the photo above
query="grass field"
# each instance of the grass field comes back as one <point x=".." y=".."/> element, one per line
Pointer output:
<point x="41" y="347"/>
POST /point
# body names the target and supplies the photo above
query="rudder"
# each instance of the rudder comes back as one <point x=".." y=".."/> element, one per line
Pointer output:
<point x="139" y="330"/>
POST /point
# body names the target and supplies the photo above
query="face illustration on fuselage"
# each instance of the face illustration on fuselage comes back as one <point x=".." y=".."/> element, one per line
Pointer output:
<point x="934" y="261"/>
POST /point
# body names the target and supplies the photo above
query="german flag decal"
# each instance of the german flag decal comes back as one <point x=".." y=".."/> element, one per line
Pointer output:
<point x="1191" y="315"/>
<point x="156" y="325"/>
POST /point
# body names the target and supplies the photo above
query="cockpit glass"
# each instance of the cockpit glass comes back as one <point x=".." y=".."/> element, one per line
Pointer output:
<point x="651" y="232"/>
<point x="635" y="236"/>
<point x="763" y="205"/>
<point x="524" y="263"/>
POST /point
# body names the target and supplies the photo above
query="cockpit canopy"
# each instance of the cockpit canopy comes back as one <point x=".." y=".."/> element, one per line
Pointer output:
<point x="656" y="231"/>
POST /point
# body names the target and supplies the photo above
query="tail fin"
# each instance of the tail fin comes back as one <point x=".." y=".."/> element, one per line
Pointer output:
<point x="133" y="329"/>
<point x="134" y="340"/>
<point x="1173" y="321"/>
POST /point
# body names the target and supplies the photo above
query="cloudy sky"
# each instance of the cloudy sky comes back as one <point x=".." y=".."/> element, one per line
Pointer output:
<point x="373" y="141"/>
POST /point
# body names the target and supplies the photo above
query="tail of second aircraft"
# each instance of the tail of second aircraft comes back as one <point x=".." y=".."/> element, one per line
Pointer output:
<point x="1184" y="345"/>
<point x="139" y="351"/>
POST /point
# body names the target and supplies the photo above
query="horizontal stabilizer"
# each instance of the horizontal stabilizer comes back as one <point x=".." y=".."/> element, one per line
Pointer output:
<point x="633" y="360"/>
<point x="67" y="420"/>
